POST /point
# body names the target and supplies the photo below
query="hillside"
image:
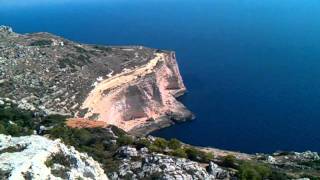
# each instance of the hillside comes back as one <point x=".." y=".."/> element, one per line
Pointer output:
<point x="76" y="111"/>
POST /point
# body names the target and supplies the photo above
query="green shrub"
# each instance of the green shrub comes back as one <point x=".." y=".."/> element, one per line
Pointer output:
<point x="154" y="148"/>
<point x="13" y="149"/>
<point x="180" y="152"/>
<point x="279" y="176"/>
<point x="42" y="42"/>
<point x="160" y="143"/>
<point x="2" y="129"/>
<point x="207" y="156"/>
<point x="4" y="174"/>
<point x="229" y="161"/>
<point x="251" y="171"/>
<point x="18" y="122"/>
<point x="125" y="140"/>
<point x="59" y="158"/>
<point x="117" y="131"/>
<point x="192" y="154"/>
<point x="63" y="133"/>
<point x="313" y="164"/>
<point x="15" y="130"/>
<point x="84" y="137"/>
<point x="92" y="141"/>
<point x="198" y="155"/>
<point x="53" y="120"/>
<point x="142" y="142"/>
<point x="174" y="144"/>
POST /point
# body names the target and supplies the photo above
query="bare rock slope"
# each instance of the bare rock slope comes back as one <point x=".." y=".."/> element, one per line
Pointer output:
<point x="130" y="87"/>
<point x="36" y="157"/>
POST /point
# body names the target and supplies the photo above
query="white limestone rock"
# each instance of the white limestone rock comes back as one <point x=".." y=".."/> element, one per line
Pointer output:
<point x="127" y="151"/>
<point x="271" y="160"/>
<point x="166" y="167"/>
<point x="27" y="156"/>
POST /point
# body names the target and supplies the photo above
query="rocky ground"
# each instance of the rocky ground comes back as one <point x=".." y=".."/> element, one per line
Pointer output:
<point x="98" y="152"/>
<point x="75" y="111"/>
<point x="36" y="157"/>
<point x="142" y="164"/>
<point x="130" y="87"/>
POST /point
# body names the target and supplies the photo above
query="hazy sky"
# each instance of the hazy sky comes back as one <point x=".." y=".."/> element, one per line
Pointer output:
<point x="36" y="2"/>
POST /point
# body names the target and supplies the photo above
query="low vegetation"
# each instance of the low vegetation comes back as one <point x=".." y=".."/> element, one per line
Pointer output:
<point x="17" y="122"/>
<point x="251" y="170"/>
<point x="97" y="142"/>
<point x="229" y="161"/>
<point x="4" y="174"/>
<point x="13" y="149"/>
<point x="60" y="159"/>
<point x="174" y="147"/>
<point x="42" y="42"/>
<point x="102" y="145"/>
<point x="313" y="164"/>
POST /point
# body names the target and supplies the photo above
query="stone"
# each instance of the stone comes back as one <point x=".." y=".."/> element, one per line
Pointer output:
<point x="28" y="156"/>
<point x="5" y="30"/>
<point x="216" y="171"/>
<point x="127" y="152"/>
<point x="271" y="160"/>
<point x="144" y="150"/>
<point x="168" y="168"/>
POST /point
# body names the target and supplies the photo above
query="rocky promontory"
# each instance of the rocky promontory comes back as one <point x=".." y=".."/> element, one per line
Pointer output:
<point x="77" y="111"/>
<point x="131" y="87"/>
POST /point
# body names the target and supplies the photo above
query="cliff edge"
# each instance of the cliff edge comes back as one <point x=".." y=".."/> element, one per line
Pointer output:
<point x="131" y="87"/>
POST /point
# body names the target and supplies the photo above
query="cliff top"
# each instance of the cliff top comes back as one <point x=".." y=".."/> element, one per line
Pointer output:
<point x="47" y="72"/>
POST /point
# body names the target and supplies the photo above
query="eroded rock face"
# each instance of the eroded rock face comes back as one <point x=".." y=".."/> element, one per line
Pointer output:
<point x="140" y="96"/>
<point x="36" y="157"/>
<point x="130" y="87"/>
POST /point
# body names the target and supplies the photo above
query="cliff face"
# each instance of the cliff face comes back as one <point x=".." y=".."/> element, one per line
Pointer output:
<point x="139" y="96"/>
<point x="130" y="87"/>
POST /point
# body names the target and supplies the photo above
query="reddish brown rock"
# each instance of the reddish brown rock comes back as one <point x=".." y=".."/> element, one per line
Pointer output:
<point x="85" y="123"/>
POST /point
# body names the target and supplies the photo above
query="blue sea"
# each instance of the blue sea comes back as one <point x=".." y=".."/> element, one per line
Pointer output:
<point x="252" y="67"/>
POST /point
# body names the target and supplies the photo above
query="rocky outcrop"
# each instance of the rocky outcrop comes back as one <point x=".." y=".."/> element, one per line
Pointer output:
<point x="140" y="96"/>
<point x="141" y="165"/>
<point x="129" y="87"/>
<point x="36" y="157"/>
<point x="291" y="159"/>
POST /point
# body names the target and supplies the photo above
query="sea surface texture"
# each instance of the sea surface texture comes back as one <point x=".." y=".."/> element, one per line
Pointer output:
<point x="252" y="67"/>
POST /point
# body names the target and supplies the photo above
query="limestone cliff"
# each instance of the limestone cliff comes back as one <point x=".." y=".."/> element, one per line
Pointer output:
<point x="131" y="87"/>
<point x="139" y="96"/>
